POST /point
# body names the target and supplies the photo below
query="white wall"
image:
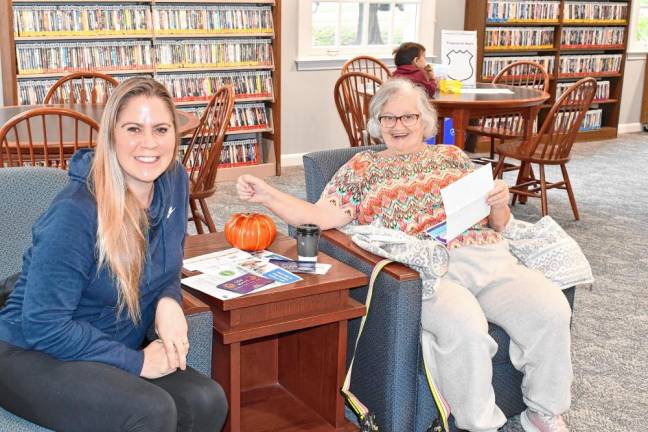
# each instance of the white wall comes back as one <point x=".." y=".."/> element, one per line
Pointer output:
<point x="309" y="120"/>
<point x="632" y="93"/>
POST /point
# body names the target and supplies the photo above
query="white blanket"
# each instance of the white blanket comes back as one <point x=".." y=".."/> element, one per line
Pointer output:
<point x="543" y="246"/>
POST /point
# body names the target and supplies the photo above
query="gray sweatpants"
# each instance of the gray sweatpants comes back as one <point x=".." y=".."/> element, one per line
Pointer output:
<point x="486" y="283"/>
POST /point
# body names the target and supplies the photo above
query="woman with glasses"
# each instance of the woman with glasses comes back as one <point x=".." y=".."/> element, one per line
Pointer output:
<point x="401" y="186"/>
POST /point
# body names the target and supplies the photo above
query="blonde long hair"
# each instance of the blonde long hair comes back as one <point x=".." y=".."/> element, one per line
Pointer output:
<point x="122" y="222"/>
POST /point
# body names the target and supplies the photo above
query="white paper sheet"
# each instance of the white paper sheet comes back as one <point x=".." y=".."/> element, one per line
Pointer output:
<point x="465" y="201"/>
<point x="486" y="91"/>
<point x="226" y="265"/>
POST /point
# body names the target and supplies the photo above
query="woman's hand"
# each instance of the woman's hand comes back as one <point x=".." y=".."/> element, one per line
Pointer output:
<point x="253" y="189"/>
<point x="499" y="195"/>
<point x="498" y="200"/>
<point x="171" y="327"/>
<point x="156" y="362"/>
<point x="429" y="71"/>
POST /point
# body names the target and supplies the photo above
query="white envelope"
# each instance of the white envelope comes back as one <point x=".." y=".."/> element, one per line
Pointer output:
<point x="465" y="201"/>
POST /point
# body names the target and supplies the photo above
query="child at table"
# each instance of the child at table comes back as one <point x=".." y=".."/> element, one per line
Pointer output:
<point x="410" y="62"/>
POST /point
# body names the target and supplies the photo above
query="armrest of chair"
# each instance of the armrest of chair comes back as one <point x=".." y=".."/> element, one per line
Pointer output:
<point x="387" y="360"/>
<point x="398" y="271"/>
<point x="200" y="321"/>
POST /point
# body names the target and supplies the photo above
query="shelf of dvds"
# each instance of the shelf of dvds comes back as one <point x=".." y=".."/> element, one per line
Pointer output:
<point x="572" y="39"/>
<point x="192" y="47"/>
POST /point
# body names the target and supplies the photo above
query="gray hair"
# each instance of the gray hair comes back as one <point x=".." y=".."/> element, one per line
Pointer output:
<point x="399" y="86"/>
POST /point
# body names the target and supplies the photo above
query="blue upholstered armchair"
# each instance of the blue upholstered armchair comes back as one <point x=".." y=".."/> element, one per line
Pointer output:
<point x="388" y="374"/>
<point x="25" y="193"/>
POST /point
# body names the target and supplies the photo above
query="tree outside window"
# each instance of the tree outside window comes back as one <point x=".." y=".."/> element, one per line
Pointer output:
<point x="642" y="22"/>
<point x="639" y="41"/>
<point x="343" y="27"/>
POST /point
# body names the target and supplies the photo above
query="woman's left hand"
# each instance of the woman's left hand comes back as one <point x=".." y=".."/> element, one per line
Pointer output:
<point x="171" y="327"/>
<point x="499" y="195"/>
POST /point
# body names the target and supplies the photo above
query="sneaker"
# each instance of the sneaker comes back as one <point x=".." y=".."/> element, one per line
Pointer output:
<point x="535" y="422"/>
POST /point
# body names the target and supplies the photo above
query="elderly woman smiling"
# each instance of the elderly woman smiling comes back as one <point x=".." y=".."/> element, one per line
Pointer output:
<point x="401" y="186"/>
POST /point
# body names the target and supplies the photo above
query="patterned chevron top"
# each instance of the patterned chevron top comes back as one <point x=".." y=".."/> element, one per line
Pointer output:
<point x="404" y="190"/>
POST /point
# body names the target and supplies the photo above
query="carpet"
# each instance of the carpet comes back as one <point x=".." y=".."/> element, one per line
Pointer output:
<point x="610" y="324"/>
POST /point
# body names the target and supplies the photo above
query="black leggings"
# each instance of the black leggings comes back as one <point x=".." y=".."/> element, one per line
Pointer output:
<point x="89" y="396"/>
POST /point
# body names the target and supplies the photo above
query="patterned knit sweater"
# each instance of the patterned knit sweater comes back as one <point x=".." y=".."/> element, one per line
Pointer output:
<point x="404" y="191"/>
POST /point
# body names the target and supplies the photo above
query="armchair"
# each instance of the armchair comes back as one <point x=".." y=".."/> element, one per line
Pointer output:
<point x="388" y="373"/>
<point x="25" y="193"/>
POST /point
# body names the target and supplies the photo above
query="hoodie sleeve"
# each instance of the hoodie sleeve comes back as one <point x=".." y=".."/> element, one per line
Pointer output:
<point x="430" y="85"/>
<point x="62" y="265"/>
<point x="178" y="224"/>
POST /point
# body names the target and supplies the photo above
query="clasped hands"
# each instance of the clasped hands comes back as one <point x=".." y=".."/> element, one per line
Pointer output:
<point x="168" y="353"/>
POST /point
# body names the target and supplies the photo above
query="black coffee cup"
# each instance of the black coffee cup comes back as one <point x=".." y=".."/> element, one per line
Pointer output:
<point x="307" y="242"/>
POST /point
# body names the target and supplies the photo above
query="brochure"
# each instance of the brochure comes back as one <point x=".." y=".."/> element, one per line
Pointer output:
<point x="231" y="273"/>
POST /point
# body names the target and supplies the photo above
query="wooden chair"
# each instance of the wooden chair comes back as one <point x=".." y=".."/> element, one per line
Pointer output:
<point x="45" y="136"/>
<point x="520" y="74"/>
<point x="352" y="94"/>
<point x="368" y="65"/>
<point x="551" y="146"/>
<point x="81" y="88"/>
<point x="204" y="153"/>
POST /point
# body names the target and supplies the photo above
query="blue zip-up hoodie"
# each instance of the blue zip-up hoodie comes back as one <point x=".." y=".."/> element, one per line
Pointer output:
<point x="63" y="305"/>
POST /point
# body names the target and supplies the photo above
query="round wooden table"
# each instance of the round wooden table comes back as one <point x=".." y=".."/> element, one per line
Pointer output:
<point x="484" y="102"/>
<point x="186" y="122"/>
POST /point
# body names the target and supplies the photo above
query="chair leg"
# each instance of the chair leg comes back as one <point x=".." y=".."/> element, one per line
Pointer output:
<point x="499" y="168"/>
<point x="195" y="216"/>
<point x="526" y="170"/>
<point x="543" y="191"/>
<point x="492" y="148"/>
<point x="570" y="192"/>
<point x="208" y="219"/>
<point x="520" y="180"/>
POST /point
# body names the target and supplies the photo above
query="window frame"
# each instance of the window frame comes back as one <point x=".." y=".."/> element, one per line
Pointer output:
<point x="329" y="59"/>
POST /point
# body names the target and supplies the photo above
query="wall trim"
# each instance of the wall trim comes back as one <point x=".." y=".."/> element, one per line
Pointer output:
<point x="333" y="63"/>
<point x="293" y="159"/>
<point x="636" y="56"/>
<point x="630" y="127"/>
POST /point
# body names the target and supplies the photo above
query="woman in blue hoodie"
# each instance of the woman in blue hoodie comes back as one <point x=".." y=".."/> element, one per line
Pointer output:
<point x="104" y="266"/>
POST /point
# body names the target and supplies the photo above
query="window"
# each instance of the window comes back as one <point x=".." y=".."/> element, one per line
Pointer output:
<point x="639" y="27"/>
<point x="344" y="28"/>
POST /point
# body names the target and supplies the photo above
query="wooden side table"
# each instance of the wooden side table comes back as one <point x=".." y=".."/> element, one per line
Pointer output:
<point x="280" y="354"/>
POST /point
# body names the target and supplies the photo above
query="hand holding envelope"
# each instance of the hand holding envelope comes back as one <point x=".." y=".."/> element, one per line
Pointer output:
<point x="465" y="201"/>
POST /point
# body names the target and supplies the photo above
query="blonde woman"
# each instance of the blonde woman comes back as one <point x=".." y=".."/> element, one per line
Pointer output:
<point x="103" y="266"/>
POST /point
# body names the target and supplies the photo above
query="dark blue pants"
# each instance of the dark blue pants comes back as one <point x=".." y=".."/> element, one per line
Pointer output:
<point x="90" y="396"/>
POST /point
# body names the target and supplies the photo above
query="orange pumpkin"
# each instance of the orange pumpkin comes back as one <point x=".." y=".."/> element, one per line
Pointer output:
<point x="250" y="231"/>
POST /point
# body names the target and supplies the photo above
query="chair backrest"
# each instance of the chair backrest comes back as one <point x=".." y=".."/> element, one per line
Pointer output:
<point x="25" y="193"/>
<point x="353" y="92"/>
<point x="45" y="136"/>
<point x="524" y="74"/>
<point x="319" y="167"/>
<point x="368" y="65"/>
<point x="203" y="154"/>
<point x="558" y="132"/>
<point x="519" y="74"/>
<point x="81" y="88"/>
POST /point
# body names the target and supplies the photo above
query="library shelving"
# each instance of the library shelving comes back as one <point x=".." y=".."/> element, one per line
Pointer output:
<point x="192" y="47"/>
<point x="572" y="39"/>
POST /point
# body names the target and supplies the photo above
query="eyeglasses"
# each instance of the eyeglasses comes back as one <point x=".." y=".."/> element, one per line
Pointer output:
<point x="389" y="121"/>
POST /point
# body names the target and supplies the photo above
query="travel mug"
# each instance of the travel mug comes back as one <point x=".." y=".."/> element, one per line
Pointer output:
<point x="307" y="242"/>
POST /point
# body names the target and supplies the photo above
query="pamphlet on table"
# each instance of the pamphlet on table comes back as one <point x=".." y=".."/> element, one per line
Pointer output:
<point x="231" y="273"/>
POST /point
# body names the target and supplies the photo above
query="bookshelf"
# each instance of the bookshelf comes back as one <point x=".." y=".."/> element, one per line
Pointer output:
<point x="192" y="47"/>
<point x="572" y="39"/>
